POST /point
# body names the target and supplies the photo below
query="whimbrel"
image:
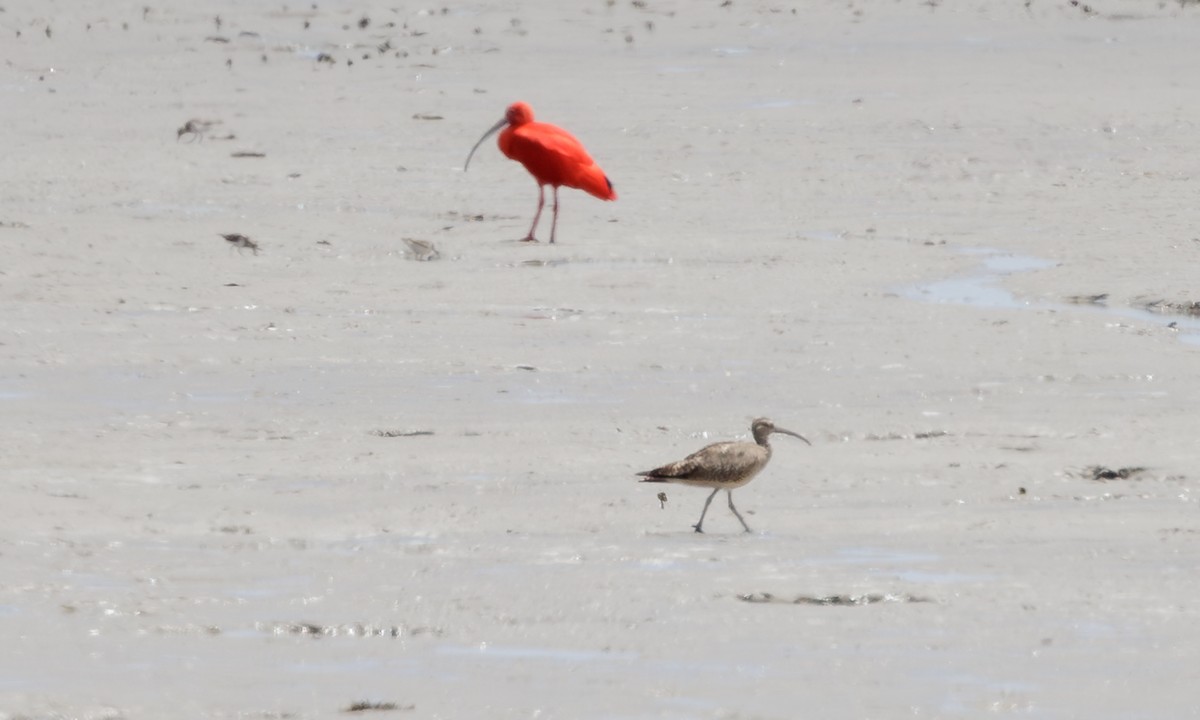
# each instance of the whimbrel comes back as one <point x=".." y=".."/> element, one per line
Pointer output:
<point x="722" y="466"/>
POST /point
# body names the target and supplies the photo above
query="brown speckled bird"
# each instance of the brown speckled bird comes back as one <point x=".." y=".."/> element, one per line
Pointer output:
<point x="722" y="466"/>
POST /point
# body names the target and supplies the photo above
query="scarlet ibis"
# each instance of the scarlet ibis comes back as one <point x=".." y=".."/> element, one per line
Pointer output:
<point x="551" y="155"/>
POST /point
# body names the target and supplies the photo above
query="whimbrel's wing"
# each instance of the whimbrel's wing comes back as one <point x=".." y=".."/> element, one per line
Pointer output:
<point x="718" y="462"/>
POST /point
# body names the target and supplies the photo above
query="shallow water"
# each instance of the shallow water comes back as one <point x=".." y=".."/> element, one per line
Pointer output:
<point x="984" y="289"/>
<point x="508" y="652"/>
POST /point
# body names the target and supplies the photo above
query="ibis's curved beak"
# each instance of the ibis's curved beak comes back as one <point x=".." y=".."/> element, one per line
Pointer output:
<point x="789" y="432"/>
<point x="486" y="135"/>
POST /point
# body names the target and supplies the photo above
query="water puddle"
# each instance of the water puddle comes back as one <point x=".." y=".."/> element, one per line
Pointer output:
<point x="514" y="652"/>
<point x="983" y="289"/>
<point x="924" y="577"/>
<point x="285" y="586"/>
<point x="878" y="556"/>
<point x="898" y="565"/>
<point x="95" y="581"/>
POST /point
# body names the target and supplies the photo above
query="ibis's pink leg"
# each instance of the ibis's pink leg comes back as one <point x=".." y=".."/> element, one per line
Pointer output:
<point x="537" y="215"/>
<point x="554" y="223"/>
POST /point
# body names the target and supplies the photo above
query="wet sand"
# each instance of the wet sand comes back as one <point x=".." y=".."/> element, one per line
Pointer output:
<point x="274" y="485"/>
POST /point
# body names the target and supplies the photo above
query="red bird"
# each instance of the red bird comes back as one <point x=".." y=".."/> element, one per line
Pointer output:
<point x="551" y="155"/>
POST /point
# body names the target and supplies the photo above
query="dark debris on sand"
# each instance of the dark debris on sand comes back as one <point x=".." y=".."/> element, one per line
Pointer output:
<point x="365" y="705"/>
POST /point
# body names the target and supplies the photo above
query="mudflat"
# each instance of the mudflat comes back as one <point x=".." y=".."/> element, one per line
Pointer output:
<point x="382" y="461"/>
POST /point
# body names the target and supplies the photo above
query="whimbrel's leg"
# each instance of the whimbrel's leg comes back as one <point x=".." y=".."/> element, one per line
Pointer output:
<point x="536" y="215"/>
<point x="705" y="510"/>
<point x="554" y="223"/>
<point x="735" y="512"/>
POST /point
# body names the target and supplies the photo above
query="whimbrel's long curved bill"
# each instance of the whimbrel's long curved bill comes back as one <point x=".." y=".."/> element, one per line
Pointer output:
<point x="793" y="434"/>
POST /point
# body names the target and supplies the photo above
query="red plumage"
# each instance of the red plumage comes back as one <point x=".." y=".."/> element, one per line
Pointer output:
<point x="552" y="155"/>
